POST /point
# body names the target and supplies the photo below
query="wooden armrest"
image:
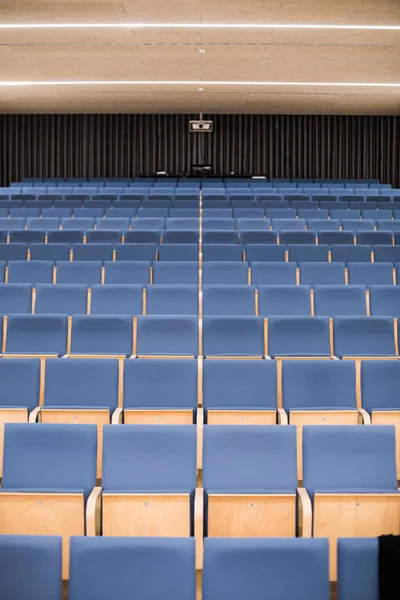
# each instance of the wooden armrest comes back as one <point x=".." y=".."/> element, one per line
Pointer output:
<point x="305" y="513"/>
<point x="198" y="526"/>
<point x="335" y="358"/>
<point x="282" y="417"/>
<point x="34" y="415"/>
<point x="116" y="418"/>
<point x="363" y="417"/>
<point x="66" y="356"/>
<point x="93" y="512"/>
<point x="200" y="428"/>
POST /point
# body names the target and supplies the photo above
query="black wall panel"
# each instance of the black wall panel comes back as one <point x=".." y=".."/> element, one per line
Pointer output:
<point x="120" y="145"/>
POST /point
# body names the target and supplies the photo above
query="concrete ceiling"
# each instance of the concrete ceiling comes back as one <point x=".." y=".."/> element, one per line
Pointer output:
<point x="173" y="54"/>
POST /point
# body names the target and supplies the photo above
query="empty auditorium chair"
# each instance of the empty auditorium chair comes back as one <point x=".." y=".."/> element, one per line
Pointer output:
<point x="340" y="300"/>
<point x="93" y="252"/>
<point x="258" y="237"/>
<point x="375" y="238"/>
<point x="28" y="236"/>
<point x="181" y="224"/>
<point x="104" y="236"/>
<point x="12" y="252"/>
<point x="177" y="252"/>
<point x="358" y="225"/>
<point x="149" y="224"/>
<point x="323" y="224"/>
<point x="127" y="272"/>
<point x="322" y="273"/>
<point x="292" y="337"/>
<point x="78" y="224"/>
<point x="116" y="300"/>
<point x="248" y="213"/>
<point x="388" y="225"/>
<point x="171" y="236"/>
<point x="24" y="212"/>
<point x="311" y="253"/>
<point x="358" y="569"/>
<point x="225" y="272"/>
<point x="350" y="253"/>
<point x="264" y="253"/>
<point x="350" y="473"/>
<point x="387" y="254"/>
<point x="65" y="237"/>
<point x="384" y="300"/>
<point x="78" y="272"/>
<point x="233" y="336"/>
<point x="297" y="237"/>
<point x="366" y="337"/>
<point x="370" y="273"/>
<point x="88" y="211"/>
<point x="160" y="391"/>
<point x="313" y="213"/>
<point x="288" y="224"/>
<point x="228" y="300"/>
<point x="46" y="223"/>
<point x="64" y="299"/>
<point x="376" y="214"/>
<point x="169" y="336"/>
<point x="42" y="335"/>
<point x="140" y="567"/>
<point x="244" y="466"/>
<point x="273" y="273"/>
<point x="53" y="252"/>
<point x="220" y="237"/>
<point x="102" y="335"/>
<point x="113" y="223"/>
<point x="172" y="300"/>
<point x="148" y="468"/>
<point x="222" y="252"/>
<point x="253" y="224"/>
<point x="190" y="213"/>
<point x="284" y="300"/>
<point x="39" y="271"/>
<point x="16" y="298"/>
<point x="48" y="468"/>
<point x="176" y="272"/>
<point x="132" y="252"/>
<point x="263" y="568"/>
<point x="281" y="213"/>
<point x="153" y="213"/>
<point x="119" y="212"/>
<point x="240" y="392"/>
<point x="11" y="224"/>
<point x="336" y="237"/>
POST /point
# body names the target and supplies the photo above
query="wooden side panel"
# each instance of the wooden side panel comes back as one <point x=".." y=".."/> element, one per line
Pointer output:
<point x="43" y="514"/>
<point x="389" y="418"/>
<point x="241" y="417"/>
<point x="10" y="415"/>
<point x="354" y="515"/>
<point x="256" y="515"/>
<point x="98" y="417"/>
<point x="161" y="417"/>
<point x="164" y="515"/>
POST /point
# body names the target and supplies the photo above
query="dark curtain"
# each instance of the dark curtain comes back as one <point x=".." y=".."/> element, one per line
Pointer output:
<point x="131" y="145"/>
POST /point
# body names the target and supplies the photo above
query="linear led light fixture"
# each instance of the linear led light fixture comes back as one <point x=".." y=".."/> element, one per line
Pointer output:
<point x="204" y="83"/>
<point x="196" y="26"/>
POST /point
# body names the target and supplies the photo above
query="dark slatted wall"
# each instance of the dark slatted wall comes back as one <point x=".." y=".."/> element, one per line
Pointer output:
<point x="133" y="145"/>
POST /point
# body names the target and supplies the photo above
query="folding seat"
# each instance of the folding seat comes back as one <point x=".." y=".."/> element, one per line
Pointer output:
<point x="161" y="202"/>
<point x="93" y="252"/>
<point x="12" y="252"/>
<point x="370" y="273"/>
<point x="113" y="223"/>
<point x="263" y="253"/>
<point x="358" y="225"/>
<point x="127" y="201"/>
<point x="78" y="224"/>
<point x="132" y="252"/>
<point x="244" y="466"/>
<point x="148" y="224"/>
<point x="72" y="202"/>
<point x="297" y="237"/>
<point x="376" y="214"/>
<point x="104" y="236"/>
<point x="288" y="224"/>
<point x="225" y="272"/>
<point x="368" y="337"/>
<point x="180" y="224"/>
<point x="375" y="237"/>
<point x="102" y="335"/>
<point x="27" y="236"/>
<point x="25" y="212"/>
<point x="45" y="224"/>
<point x="384" y="300"/>
<point x="345" y="214"/>
<point x="323" y="224"/>
<point x="358" y="568"/>
<point x="308" y="253"/>
<point x="160" y="391"/>
<point x="88" y="211"/>
<point x="127" y="213"/>
<point x="152" y="213"/>
<point x="388" y="225"/>
<point x="350" y="474"/>
<point x="336" y="237"/>
<point x="322" y="273"/>
<point x="273" y="273"/>
<point x="253" y="224"/>
<point x="127" y="272"/>
<point x="258" y="237"/>
<point x="186" y="213"/>
<point x="42" y="335"/>
<point x="228" y="300"/>
<point x="49" y="466"/>
<point x="248" y="213"/>
<point x="172" y="300"/>
<point x="293" y="336"/>
<point x="351" y="253"/>
<point x="270" y="204"/>
<point x="61" y="299"/>
<point x="39" y="271"/>
<point x="220" y="237"/>
<point x="79" y="272"/>
<point x="167" y="335"/>
<point x="320" y="214"/>
<point x="281" y="213"/>
<point x="12" y="224"/>
<point x="98" y="202"/>
<point x="340" y="300"/>
<point x="15" y="298"/>
<point x="241" y="336"/>
<point x="176" y="272"/>
<point x="284" y="300"/>
<point x="65" y="237"/>
<point x="58" y="213"/>
<point x="387" y="254"/>
<point x="222" y="252"/>
<point x="171" y="236"/>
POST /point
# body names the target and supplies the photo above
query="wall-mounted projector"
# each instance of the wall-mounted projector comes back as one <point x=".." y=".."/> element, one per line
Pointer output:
<point x="200" y="126"/>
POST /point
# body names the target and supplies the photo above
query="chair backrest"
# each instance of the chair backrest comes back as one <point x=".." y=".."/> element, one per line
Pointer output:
<point x="380" y="381"/>
<point x="87" y="383"/>
<point x="37" y="334"/>
<point x="116" y="300"/>
<point x="351" y="253"/>
<point x="358" y="569"/>
<point x="264" y="253"/>
<point x="228" y="300"/>
<point x="249" y="458"/>
<point x="78" y="223"/>
<point x="172" y="300"/>
<point x="78" y="272"/>
<point x="226" y="272"/>
<point x="273" y="273"/>
<point x="370" y="273"/>
<point x="177" y="252"/>
<point x="281" y="569"/>
<point x="127" y="272"/>
<point x="340" y="300"/>
<point x="308" y="253"/>
<point x="53" y="252"/>
<point x="244" y="384"/>
<point x="363" y="336"/>
<point x="349" y="458"/>
<point x="387" y="254"/>
<point x="38" y="271"/>
<point x="63" y="298"/>
<point x="105" y="567"/>
<point x="151" y="458"/>
<point x="222" y="252"/>
<point x="176" y="272"/>
<point x="233" y="336"/>
<point x="49" y="457"/>
<point x="165" y="335"/>
<point x="102" y="334"/>
<point x="15" y="298"/>
<point x="298" y="336"/>
<point x="384" y="300"/>
<point x="20" y="383"/>
<point x="322" y="273"/>
<point x="284" y="300"/>
<point x="136" y="252"/>
<point x="93" y="252"/>
<point x="336" y="237"/>
<point x="11" y="252"/>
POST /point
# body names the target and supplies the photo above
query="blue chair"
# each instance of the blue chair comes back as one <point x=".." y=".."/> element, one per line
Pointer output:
<point x="175" y="236"/>
<point x="181" y="224"/>
<point x="323" y="224"/>
<point x="284" y="300"/>
<point x="65" y="237"/>
<point x="312" y="253"/>
<point x="281" y="213"/>
<point x="12" y="224"/>
<point x="153" y="213"/>
<point x="273" y="273"/>
<point x="177" y="252"/>
<point x="222" y="252"/>
<point x="375" y="238"/>
<point x="93" y="252"/>
<point x="30" y="567"/>
<point x="34" y="272"/>
<point x="36" y="335"/>
<point x="228" y="272"/>
<point x="117" y="212"/>
<point x="108" y="335"/>
<point x="53" y="252"/>
<point x="187" y="213"/>
<point x="12" y="252"/>
<point x="172" y="300"/>
<point x="249" y="465"/>
<point x="322" y="273"/>
<point x="116" y="300"/>
<point x="113" y="223"/>
<point x="370" y="273"/>
<point x="313" y="213"/>
<point x="127" y="272"/>
<point x="379" y="392"/>
<point x="387" y="254"/>
<point x="376" y="214"/>
<point x="351" y="253"/>
<point x="384" y="300"/>
<point x="19" y="391"/>
<point x="165" y="335"/>
<point x="228" y="300"/>
<point x="253" y="224"/>
<point x="88" y="211"/>
<point x="388" y="225"/>
<point x="132" y="252"/>
<point x="291" y="337"/>
<point x="261" y="568"/>
<point x="297" y="237"/>
<point x="78" y="272"/>
<point x="104" y="236"/>
<point x="176" y="272"/>
<point x="336" y="237"/>
<point x="25" y="212"/>
<point x="352" y="214"/>
<point x="264" y="253"/>
<point x="340" y="300"/>
<point x="27" y="236"/>
<point x="148" y="224"/>
<point x="288" y="224"/>
<point x="357" y="568"/>
<point x="364" y="336"/>
<point x="233" y="336"/>
<point x="78" y="224"/>
<point x="15" y="298"/>
<point x="358" y="225"/>
<point x="221" y="237"/>
<point x="102" y="568"/>
<point x="45" y="224"/>
<point x="61" y="299"/>
<point x="259" y="237"/>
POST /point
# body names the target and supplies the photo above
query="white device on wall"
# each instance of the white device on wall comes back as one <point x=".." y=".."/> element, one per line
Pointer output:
<point x="200" y="126"/>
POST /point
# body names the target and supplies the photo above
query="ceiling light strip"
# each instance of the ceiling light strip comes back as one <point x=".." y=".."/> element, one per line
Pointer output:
<point x="202" y="83"/>
<point x="197" y="26"/>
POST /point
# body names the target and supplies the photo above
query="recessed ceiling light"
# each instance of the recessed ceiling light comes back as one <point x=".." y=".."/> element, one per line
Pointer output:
<point x="201" y="89"/>
<point x="195" y="26"/>
<point x="204" y="83"/>
<point x="202" y="51"/>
